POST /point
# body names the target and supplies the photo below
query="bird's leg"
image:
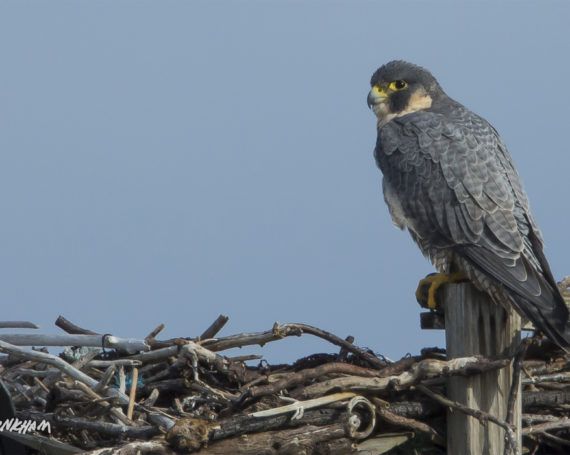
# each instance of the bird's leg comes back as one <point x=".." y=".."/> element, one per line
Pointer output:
<point x="431" y="283"/>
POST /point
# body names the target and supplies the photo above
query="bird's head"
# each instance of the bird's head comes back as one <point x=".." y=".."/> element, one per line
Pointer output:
<point x="400" y="88"/>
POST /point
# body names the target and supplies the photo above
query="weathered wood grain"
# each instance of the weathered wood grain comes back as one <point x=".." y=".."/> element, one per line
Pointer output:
<point x="477" y="326"/>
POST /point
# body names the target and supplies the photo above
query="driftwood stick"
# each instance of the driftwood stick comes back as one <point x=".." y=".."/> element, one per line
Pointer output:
<point x="239" y="446"/>
<point x="107" y="376"/>
<point x="160" y="420"/>
<point x="39" y="444"/>
<point x="303" y="440"/>
<point x="70" y="327"/>
<point x="80" y="363"/>
<point x="152" y="335"/>
<point x="563" y="376"/>
<point x="306" y="375"/>
<point x="299" y="406"/>
<point x="220" y="394"/>
<point x="178" y="385"/>
<point x="245" y="424"/>
<point x="363" y="354"/>
<point x="482" y="416"/>
<point x="307" y="445"/>
<point x="539" y="418"/>
<point x="540" y="367"/>
<point x="560" y="423"/>
<point x="116" y="412"/>
<point x="425" y="369"/>
<point x="415" y="409"/>
<point x="248" y="339"/>
<point x="18" y="325"/>
<point x="191" y="349"/>
<point x="546" y="398"/>
<point x="383" y="411"/>
<point x="41" y="384"/>
<point x="516" y="385"/>
<point x="48" y="359"/>
<point x="151" y="399"/>
<point x="215" y="327"/>
<point x="163" y="373"/>
<point x="290" y="441"/>
<point x="134" y="379"/>
<point x="400" y="366"/>
<point x="109" y="429"/>
<point x="278" y="332"/>
<point x="195" y="431"/>
<point x="136" y="448"/>
<point x="245" y="358"/>
<point x="34" y="373"/>
<point x="355" y="407"/>
<point x="118" y="362"/>
<point x="129" y="345"/>
<point x="61" y="365"/>
<point x="343" y="353"/>
<point x="122" y="380"/>
<point x="157" y="355"/>
<point x="60" y="393"/>
<point x="558" y="441"/>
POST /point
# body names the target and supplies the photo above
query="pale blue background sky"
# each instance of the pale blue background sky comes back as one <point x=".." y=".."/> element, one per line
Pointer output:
<point x="171" y="161"/>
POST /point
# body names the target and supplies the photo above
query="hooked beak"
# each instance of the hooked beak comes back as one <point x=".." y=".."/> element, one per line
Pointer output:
<point x="376" y="96"/>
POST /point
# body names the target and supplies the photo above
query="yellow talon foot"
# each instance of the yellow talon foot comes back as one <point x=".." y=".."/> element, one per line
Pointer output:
<point x="431" y="283"/>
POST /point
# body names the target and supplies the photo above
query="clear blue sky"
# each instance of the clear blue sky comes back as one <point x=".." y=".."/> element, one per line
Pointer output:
<point x="171" y="161"/>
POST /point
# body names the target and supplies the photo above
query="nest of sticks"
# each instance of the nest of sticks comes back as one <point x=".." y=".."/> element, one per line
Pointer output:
<point x="115" y="396"/>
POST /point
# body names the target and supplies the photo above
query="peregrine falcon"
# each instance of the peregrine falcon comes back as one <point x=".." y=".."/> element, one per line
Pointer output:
<point x="449" y="179"/>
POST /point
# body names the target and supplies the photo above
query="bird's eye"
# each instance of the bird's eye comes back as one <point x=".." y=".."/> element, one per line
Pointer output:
<point x="398" y="85"/>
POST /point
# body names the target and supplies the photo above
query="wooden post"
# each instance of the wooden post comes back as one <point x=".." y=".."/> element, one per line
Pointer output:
<point x="476" y="325"/>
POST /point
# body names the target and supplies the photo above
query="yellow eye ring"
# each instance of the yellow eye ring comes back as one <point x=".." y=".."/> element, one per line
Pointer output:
<point x="398" y="85"/>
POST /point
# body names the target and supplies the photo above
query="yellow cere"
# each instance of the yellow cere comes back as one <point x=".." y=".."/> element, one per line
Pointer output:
<point x="378" y="90"/>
